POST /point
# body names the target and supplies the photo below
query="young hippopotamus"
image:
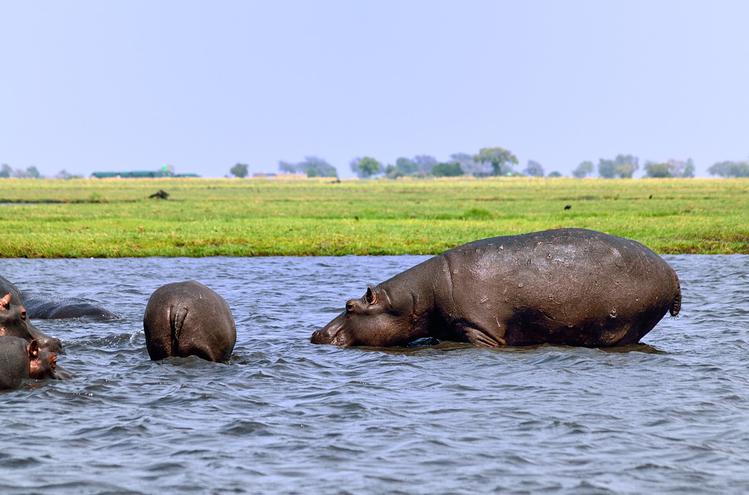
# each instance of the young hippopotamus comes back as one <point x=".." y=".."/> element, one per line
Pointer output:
<point x="187" y="318"/>
<point x="566" y="286"/>
<point x="14" y="322"/>
<point x="20" y="360"/>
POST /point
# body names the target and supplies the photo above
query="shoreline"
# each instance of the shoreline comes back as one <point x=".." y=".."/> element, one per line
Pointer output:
<point x="114" y="218"/>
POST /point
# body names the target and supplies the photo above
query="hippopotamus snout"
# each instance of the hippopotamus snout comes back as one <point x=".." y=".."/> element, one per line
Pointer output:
<point x="52" y="344"/>
<point x="332" y="333"/>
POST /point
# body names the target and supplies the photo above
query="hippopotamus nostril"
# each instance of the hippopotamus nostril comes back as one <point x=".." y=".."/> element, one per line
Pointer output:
<point x="349" y="306"/>
<point x="23" y="312"/>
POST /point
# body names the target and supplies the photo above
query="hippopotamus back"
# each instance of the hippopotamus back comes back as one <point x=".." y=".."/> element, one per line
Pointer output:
<point x="566" y="286"/>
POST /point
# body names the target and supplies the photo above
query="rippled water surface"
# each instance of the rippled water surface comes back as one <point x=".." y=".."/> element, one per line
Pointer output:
<point x="286" y="416"/>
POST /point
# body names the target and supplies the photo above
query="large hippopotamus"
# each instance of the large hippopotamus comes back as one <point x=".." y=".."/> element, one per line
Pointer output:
<point x="187" y="318"/>
<point x="566" y="286"/>
<point x="21" y="359"/>
<point x="44" y="309"/>
<point x="14" y="322"/>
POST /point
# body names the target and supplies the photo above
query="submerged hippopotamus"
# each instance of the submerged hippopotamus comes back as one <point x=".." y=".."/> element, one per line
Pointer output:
<point x="188" y="319"/>
<point x="14" y="322"/>
<point x="49" y="310"/>
<point x="566" y="286"/>
<point x="44" y="309"/>
<point x="21" y="359"/>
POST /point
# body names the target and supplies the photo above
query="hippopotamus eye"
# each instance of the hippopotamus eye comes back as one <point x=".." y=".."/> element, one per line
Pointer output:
<point x="370" y="296"/>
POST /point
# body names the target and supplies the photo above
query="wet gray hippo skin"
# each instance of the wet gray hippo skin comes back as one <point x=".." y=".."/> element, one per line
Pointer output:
<point x="14" y="322"/>
<point x="567" y="286"/>
<point x="21" y="359"/>
<point x="49" y="310"/>
<point x="188" y="319"/>
<point x="44" y="309"/>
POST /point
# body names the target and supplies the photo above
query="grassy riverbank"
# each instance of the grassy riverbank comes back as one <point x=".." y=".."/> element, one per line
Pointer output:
<point x="206" y="217"/>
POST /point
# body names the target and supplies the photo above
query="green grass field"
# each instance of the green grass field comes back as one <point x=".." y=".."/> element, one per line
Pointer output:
<point x="252" y="217"/>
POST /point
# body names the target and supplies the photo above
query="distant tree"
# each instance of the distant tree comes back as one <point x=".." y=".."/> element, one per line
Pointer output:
<point x="30" y="173"/>
<point x="626" y="170"/>
<point x="6" y="170"/>
<point x="501" y="160"/>
<point x="312" y="166"/>
<point x="730" y="169"/>
<point x="366" y="167"/>
<point x="534" y="169"/>
<point x="657" y="170"/>
<point x="623" y="166"/>
<point x="65" y="175"/>
<point x="286" y="167"/>
<point x="606" y="168"/>
<point x="554" y="174"/>
<point x="688" y="171"/>
<point x="670" y="168"/>
<point x="584" y="169"/>
<point x="626" y="165"/>
<point x="391" y="172"/>
<point x="469" y="165"/>
<point x="405" y="166"/>
<point x="239" y="170"/>
<point x="424" y="164"/>
<point x="447" y="169"/>
<point x="420" y="165"/>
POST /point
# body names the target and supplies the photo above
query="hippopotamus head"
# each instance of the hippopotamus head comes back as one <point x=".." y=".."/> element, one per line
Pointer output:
<point x="378" y="318"/>
<point x="21" y="359"/>
<point x="42" y="362"/>
<point x="13" y="322"/>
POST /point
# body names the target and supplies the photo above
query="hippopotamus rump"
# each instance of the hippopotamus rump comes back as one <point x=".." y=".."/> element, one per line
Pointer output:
<point x="21" y="359"/>
<point x="14" y="322"/>
<point x="566" y="286"/>
<point x="187" y="318"/>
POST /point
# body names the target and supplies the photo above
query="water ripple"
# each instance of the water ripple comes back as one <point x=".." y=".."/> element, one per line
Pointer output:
<point x="670" y="415"/>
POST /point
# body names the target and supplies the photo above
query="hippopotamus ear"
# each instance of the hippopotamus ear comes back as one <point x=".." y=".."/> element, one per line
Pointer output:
<point x="5" y="301"/>
<point x="33" y="349"/>
<point x="371" y="295"/>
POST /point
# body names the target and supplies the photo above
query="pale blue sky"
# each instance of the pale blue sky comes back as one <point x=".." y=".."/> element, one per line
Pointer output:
<point x="111" y="85"/>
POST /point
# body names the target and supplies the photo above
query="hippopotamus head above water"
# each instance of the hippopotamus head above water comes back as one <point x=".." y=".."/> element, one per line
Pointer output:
<point x="382" y="317"/>
<point x="21" y="359"/>
<point x="564" y="286"/>
<point x="188" y="319"/>
<point x="14" y="322"/>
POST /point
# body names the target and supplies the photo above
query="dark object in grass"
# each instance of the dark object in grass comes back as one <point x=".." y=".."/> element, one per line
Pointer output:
<point x="160" y="194"/>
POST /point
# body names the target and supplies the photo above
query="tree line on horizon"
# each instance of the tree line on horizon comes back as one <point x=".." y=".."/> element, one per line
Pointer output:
<point x="497" y="161"/>
<point x="488" y="162"/>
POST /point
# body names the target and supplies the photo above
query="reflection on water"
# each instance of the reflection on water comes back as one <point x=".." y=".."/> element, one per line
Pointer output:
<point x="670" y="415"/>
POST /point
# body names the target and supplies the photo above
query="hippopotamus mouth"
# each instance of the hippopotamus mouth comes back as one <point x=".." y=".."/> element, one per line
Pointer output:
<point x="331" y="333"/>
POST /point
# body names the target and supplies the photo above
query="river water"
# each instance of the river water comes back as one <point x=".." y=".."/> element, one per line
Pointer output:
<point x="286" y="416"/>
